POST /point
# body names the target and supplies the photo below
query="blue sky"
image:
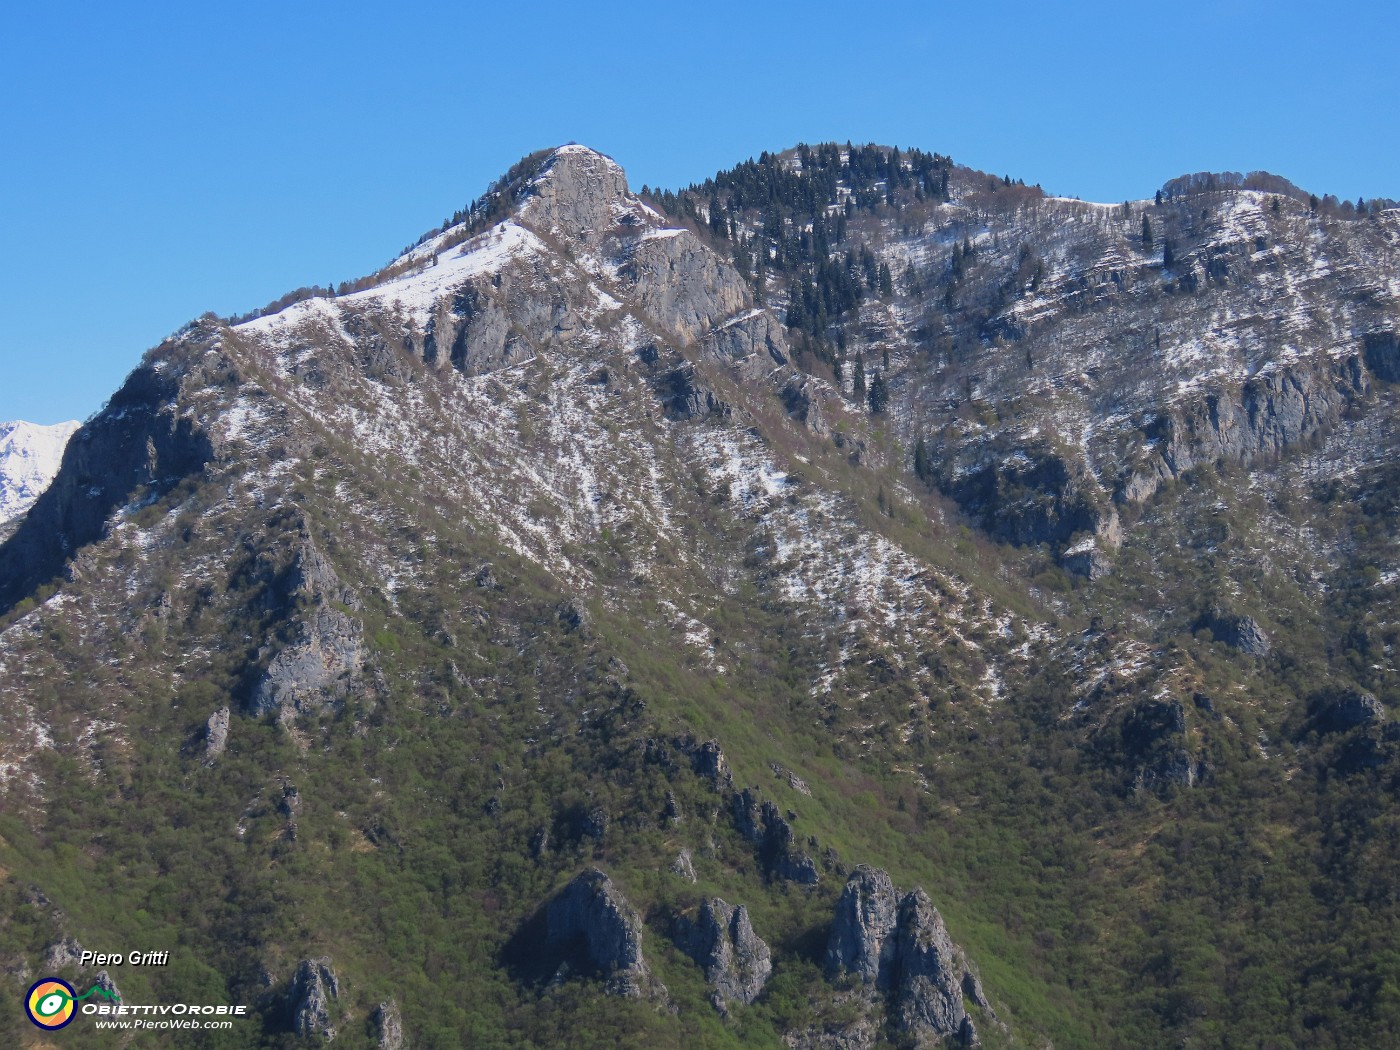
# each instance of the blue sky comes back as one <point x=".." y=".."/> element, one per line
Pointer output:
<point x="164" y="159"/>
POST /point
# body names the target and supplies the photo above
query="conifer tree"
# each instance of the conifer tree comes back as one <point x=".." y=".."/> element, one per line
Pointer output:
<point x="879" y="394"/>
<point x="1146" y="233"/>
<point x="796" y="315"/>
<point x="717" y="223"/>
<point x="923" y="468"/>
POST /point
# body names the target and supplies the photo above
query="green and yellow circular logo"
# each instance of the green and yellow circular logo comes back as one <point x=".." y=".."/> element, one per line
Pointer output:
<point x="49" y="1003"/>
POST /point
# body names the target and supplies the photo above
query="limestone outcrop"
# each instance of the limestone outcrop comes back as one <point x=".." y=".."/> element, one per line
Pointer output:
<point x="762" y="823"/>
<point x="388" y="1027"/>
<point x="216" y="735"/>
<point x="320" y="651"/>
<point x="721" y="940"/>
<point x="590" y="924"/>
<point x="1236" y="631"/>
<point x="898" y="951"/>
<point x="314" y="989"/>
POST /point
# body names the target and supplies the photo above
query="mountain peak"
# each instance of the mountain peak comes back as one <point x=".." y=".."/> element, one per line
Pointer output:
<point x="578" y="192"/>
<point x="30" y="455"/>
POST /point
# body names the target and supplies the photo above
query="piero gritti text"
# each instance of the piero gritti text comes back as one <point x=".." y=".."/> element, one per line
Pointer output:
<point x="137" y="958"/>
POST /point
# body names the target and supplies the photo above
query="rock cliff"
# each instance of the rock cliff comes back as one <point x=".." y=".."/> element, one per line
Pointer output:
<point x="312" y="997"/>
<point x="897" y="948"/>
<point x="591" y="925"/>
<point x="721" y="940"/>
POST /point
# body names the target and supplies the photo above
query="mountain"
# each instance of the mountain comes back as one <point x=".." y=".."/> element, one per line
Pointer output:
<point x="29" y="458"/>
<point x="855" y="600"/>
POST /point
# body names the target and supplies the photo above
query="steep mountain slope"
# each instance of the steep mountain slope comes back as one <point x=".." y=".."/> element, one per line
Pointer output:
<point x="1079" y="354"/>
<point x="546" y="640"/>
<point x="29" y="458"/>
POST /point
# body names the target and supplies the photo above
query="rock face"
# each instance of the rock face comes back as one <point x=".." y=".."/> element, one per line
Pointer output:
<point x="722" y="941"/>
<point x="803" y="398"/>
<point x="63" y="953"/>
<point x="859" y="1034"/>
<point x="141" y="439"/>
<point x="322" y="650"/>
<point x="681" y="285"/>
<point x="216" y="735"/>
<point x="1178" y="768"/>
<point x="486" y="325"/>
<point x="861" y="941"/>
<point x="1028" y="493"/>
<point x="314" y="988"/>
<point x="104" y="981"/>
<point x="576" y="225"/>
<point x="298" y="679"/>
<point x="574" y="617"/>
<point x="1087" y="560"/>
<point x="591" y="923"/>
<point x="388" y="1027"/>
<point x="900" y="951"/>
<point x="754" y="341"/>
<point x="1349" y="710"/>
<point x="1265" y="416"/>
<point x="709" y="763"/>
<point x="581" y="197"/>
<point x="685" y="397"/>
<point x="764" y="825"/>
<point x="1236" y="631"/>
<point x="575" y="194"/>
<point x="928" y="995"/>
<point x="1382" y="352"/>
<point x="1152" y="739"/>
<point x="1149" y="723"/>
<point x="683" y="866"/>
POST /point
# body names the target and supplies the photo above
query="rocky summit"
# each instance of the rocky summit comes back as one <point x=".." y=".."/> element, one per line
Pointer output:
<point x="431" y="660"/>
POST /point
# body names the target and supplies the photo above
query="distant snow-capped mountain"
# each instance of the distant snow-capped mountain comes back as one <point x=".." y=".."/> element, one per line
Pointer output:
<point x="29" y="458"/>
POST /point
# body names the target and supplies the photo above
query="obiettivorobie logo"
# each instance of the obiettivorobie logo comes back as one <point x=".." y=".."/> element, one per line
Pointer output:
<point x="52" y="1002"/>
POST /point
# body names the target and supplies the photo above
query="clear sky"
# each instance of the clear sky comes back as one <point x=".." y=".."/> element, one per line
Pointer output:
<point x="162" y="159"/>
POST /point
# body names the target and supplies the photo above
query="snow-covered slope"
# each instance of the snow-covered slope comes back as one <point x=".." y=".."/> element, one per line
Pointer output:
<point x="29" y="458"/>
